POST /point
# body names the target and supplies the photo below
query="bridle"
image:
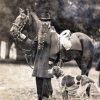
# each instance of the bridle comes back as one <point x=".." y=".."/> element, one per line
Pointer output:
<point x="27" y="53"/>
<point x="20" y="26"/>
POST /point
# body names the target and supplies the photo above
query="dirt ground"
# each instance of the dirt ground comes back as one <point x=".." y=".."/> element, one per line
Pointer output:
<point x="17" y="83"/>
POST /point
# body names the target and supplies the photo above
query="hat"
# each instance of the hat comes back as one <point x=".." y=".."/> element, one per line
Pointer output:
<point x="45" y="16"/>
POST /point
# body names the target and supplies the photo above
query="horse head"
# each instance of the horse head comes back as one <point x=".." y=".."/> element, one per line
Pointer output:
<point x="25" y="23"/>
<point x="19" y="23"/>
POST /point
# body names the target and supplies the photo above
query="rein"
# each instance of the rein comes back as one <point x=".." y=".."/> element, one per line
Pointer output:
<point x="26" y="55"/>
<point x="20" y="28"/>
<point x="60" y="57"/>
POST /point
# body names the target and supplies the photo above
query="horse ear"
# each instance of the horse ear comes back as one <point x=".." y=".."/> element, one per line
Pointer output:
<point x="21" y="10"/>
<point x="28" y="11"/>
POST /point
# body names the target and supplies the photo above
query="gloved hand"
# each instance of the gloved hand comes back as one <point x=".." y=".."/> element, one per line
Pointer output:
<point x="22" y="36"/>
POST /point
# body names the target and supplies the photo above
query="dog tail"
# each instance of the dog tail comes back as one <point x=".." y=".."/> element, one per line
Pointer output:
<point x="98" y="89"/>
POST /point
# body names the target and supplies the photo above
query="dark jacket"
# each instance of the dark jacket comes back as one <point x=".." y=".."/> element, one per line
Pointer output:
<point x="41" y="64"/>
<point x="47" y="45"/>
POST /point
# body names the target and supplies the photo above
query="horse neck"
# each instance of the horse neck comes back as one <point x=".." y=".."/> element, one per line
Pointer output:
<point x="36" y="21"/>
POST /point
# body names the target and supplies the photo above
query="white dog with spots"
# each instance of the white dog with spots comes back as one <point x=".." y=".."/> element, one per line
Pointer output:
<point x="69" y="82"/>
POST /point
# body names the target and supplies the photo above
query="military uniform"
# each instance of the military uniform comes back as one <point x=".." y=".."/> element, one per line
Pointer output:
<point x="41" y="65"/>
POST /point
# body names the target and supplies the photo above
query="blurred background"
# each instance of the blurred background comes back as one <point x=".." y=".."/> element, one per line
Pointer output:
<point x="16" y="81"/>
<point x="75" y="15"/>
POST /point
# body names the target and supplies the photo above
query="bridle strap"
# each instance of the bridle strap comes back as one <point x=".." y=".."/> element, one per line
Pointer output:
<point x="20" y="28"/>
<point x="25" y="55"/>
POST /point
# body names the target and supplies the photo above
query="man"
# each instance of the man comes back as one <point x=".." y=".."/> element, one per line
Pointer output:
<point x="41" y="63"/>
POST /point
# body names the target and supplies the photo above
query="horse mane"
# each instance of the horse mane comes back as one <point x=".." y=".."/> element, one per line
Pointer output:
<point x="36" y="21"/>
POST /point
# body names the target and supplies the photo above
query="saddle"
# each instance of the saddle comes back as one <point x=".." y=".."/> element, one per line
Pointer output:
<point x="72" y="43"/>
<point x="76" y="44"/>
<point x="66" y="43"/>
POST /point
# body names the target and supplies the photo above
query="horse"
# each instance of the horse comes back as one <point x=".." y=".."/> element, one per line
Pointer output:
<point x="81" y="51"/>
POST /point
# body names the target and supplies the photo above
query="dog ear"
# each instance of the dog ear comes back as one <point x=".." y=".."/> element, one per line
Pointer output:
<point x="78" y="77"/>
<point x="57" y="71"/>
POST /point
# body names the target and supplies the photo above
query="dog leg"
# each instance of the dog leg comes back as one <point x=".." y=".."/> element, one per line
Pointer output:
<point x="82" y="90"/>
<point x="65" y="95"/>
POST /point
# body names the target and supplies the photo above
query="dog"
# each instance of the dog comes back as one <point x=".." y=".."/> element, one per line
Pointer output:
<point x="70" y="83"/>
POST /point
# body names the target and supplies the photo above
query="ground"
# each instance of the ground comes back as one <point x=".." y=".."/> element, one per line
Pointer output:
<point x="17" y="83"/>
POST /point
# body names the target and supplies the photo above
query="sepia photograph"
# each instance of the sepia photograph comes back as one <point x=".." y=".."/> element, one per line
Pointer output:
<point x="49" y="49"/>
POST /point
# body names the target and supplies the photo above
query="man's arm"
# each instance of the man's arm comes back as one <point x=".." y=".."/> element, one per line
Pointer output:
<point x="28" y="42"/>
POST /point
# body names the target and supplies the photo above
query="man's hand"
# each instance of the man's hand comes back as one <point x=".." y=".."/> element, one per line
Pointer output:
<point x="21" y="37"/>
<point x="50" y="62"/>
<point x="50" y="71"/>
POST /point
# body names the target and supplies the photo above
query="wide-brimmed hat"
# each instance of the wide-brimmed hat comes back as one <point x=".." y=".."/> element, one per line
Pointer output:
<point x="45" y="16"/>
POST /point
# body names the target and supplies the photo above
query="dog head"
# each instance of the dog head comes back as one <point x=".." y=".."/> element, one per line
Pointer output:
<point x="57" y="71"/>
